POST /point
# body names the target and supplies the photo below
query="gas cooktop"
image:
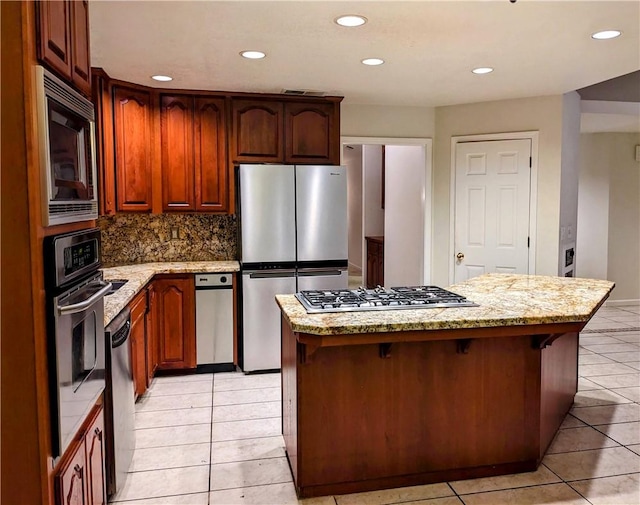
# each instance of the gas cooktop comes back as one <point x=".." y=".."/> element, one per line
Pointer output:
<point x="353" y="300"/>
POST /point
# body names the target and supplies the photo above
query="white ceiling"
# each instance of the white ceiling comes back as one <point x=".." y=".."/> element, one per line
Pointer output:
<point x="536" y="47"/>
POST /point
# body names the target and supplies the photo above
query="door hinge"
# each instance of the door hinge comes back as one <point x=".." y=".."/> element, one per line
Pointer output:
<point x="530" y="161"/>
<point x="528" y="241"/>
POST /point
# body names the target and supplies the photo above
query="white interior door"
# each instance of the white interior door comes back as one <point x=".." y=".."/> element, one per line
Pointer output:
<point x="492" y="201"/>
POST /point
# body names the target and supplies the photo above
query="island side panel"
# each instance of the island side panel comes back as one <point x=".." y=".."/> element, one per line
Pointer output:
<point x="426" y="413"/>
<point x="559" y="384"/>
<point x="289" y="396"/>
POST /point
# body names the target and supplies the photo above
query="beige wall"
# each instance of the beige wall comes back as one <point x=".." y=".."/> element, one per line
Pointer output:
<point x="624" y="216"/>
<point x="609" y="212"/>
<point x="542" y="114"/>
<point x="386" y="121"/>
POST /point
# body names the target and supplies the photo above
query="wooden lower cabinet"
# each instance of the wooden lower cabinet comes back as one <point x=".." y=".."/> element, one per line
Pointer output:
<point x="175" y="315"/>
<point x="152" y="340"/>
<point x="138" y="338"/>
<point x="80" y="479"/>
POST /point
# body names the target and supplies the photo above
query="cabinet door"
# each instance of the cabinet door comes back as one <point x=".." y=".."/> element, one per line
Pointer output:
<point x="104" y="142"/>
<point x="152" y="338"/>
<point x="132" y="122"/>
<point x="138" y="309"/>
<point x="258" y="129"/>
<point x="176" y="125"/>
<point x="71" y="479"/>
<point x="94" y="444"/>
<point x="211" y="155"/>
<point x="311" y="133"/>
<point x="54" y="36"/>
<point x="175" y="298"/>
<point x="80" y="61"/>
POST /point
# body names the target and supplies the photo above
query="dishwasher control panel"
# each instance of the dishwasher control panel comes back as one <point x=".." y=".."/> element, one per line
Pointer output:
<point x="221" y="279"/>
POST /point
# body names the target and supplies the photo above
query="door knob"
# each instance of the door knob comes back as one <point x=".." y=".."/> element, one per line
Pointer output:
<point x="460" y="256"/>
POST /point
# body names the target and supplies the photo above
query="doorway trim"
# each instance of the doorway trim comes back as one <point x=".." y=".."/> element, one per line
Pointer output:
<point x="533" y="190"/>
<point x="427" y="207"/>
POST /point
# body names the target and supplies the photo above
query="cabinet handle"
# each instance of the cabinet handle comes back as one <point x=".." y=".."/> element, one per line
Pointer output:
<point x="98" y="433"/>
<point x="78" y="471"/>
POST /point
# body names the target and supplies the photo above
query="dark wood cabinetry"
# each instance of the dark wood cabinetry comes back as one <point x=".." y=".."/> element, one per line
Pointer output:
<point x="138" y="338"/>
<point x="80" y="478"/>
<point x="175" y="322"/>
<point x="193" y="144"/>
<point x="270" y="131"/>
<point x="132" y="121"/>
<point x="63" y="40"/>
<point x="152" y="340"/>
<point x="311" y="133"/>
<point x="165" y="150"/>
<point x="258" y="131"/>
<point x="375" y="262"/>
<point x="94" y="445"/>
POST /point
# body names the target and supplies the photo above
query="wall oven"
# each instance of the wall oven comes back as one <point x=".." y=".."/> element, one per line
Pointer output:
<point x="75" y="330"/>
<point x="66" y="136"/>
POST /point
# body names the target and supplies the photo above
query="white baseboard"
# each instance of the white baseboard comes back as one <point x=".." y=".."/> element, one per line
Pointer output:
<point x="620" y="303"/>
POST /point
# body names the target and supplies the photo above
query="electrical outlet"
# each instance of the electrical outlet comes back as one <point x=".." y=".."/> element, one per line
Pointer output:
<point x="175" y="233"/>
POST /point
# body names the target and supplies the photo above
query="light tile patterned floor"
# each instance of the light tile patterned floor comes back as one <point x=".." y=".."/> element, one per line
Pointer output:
<point x="215" y="439"/>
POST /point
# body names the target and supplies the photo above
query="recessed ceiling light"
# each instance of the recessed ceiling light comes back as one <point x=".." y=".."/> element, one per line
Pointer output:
<point x="606" y="34"/>
<point x="162" y="78"/>
<point x="253" y="55"/>
<point x="373" y="61"/>
<point x="482" y="70"/>
<point x="351" y="20"/>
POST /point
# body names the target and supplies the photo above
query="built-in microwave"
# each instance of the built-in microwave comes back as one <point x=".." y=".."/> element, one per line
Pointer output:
<point x="66" y="144"/>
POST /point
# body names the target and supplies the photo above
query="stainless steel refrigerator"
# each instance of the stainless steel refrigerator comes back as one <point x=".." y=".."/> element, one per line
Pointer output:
<point x="292" y="237"/>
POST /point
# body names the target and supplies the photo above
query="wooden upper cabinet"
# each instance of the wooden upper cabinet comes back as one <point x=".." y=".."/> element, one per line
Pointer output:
<point x="80" y="61"/>
<point x="63" y="40"/>
<point x="258" y="131"/>
<point x="194" y="154"/>
<point x="176" y="318"/>
<point x="211" y="170"/>
<point x="312" y="133"/>
<point x="132" y="116"/>
<point x="54" y="37"/>
<point x="103" y="102"/>
<point x="176" y="124"/>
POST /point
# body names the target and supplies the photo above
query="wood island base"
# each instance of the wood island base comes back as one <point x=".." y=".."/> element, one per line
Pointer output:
<point x="372" y="411"/>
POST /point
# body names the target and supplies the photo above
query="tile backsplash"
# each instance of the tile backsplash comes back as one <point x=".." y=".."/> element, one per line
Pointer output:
<point x="144" y="238"/>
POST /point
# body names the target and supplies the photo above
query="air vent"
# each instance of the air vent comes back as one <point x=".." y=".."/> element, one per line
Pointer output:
<point x="303" y="92"/>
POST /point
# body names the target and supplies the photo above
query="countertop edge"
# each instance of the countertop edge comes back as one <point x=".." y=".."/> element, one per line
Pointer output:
<point x="138" y="276"/>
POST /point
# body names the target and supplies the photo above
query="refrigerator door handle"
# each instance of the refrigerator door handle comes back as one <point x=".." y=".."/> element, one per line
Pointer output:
<point x="319" y="271"/>
<point x="271" y="275"/>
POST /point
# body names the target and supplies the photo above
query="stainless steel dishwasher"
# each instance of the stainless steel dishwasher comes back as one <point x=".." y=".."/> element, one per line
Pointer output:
<point x="214" y="322"/>
<point x="119" y="402"/>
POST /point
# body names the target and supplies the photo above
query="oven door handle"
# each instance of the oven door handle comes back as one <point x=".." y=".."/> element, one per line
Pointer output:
<point x="85" y="304"/>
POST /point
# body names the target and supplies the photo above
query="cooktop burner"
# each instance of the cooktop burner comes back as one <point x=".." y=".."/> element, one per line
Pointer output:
<point x="411" y="297"/>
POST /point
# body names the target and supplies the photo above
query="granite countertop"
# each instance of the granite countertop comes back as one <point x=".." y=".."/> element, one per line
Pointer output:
<point x="140" y="274"/>
<point x="503" y="299"/>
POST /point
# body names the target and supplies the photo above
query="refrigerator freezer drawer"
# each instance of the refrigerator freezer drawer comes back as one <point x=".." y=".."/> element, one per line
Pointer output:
<point x="318" y="279"/>
<point x="261" y="317"/>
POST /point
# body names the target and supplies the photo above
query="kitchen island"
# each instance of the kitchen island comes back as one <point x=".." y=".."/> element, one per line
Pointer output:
<point x="394" y="398"/>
